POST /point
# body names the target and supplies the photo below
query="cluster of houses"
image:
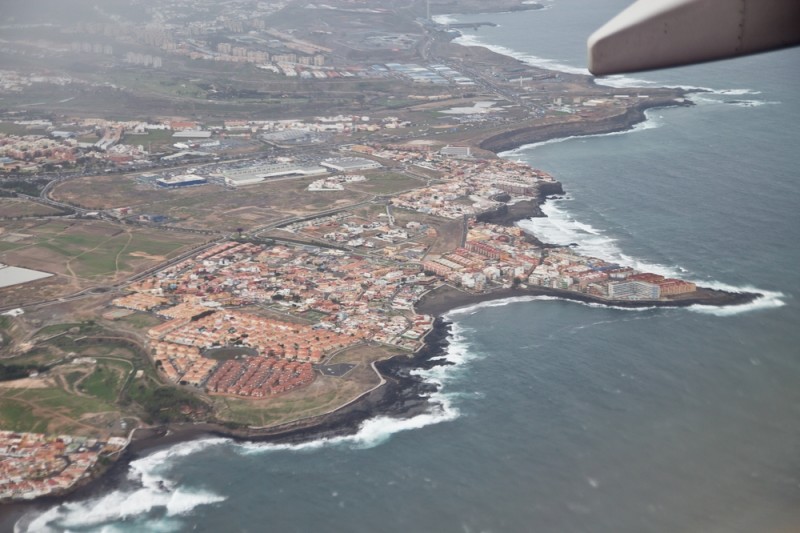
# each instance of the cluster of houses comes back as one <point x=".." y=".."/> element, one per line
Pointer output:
<point x="467" y="186"/>
<point x="34" y="464"/>
<point x="332" y="300"/>
<point x="259" y="377"/>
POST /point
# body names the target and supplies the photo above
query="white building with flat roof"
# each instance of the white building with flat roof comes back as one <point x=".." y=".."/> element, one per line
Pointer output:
<point x="349" y="164"/>
<point x="256" y="174"/>
<point x="184" y="180"/>
<point x="11" y="275"/>
<point x="191" y="134"/>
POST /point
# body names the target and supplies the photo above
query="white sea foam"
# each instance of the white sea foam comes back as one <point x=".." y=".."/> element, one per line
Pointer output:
<point x="375" y="431"/>
<point x="371" y="433"/>
<point x="752" y="103"/>
<point x="535" y="61"/>
<point x="617" y="81"/>
<point x="156" y="493"/>
<point x="470" y="309"/>
<point x="767" y="300"/>
<point x="651" y="121"/>
<point x="734" y="92"/>
<point x="559" y="227"/>
<point x="704" y="99"/>
<point x="444" y="19"/>
<point x="623" y="82"/>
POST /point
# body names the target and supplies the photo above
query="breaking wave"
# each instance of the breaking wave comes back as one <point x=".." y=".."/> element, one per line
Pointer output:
<point x="371" y="433"/>
<point x="153" y="502"/>
<point x="751" y="103"/>
<point x="624" y="82"/>
<point x="474" y="308"/>
<point x="535" y="61"/>
<point x="378" y="430"/>
<point x="559" y="227"/>
<point x="652" y="121"/>
<point x="444" y="19"/>
<point x="697" y="94"/>
<point x="767" y="300"/>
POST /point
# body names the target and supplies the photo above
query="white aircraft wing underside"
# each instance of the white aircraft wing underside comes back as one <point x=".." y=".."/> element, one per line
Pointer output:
<point x="665" y="33"/>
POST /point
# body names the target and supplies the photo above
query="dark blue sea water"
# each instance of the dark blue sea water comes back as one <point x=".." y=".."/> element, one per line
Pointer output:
<point x="561" y="417"/>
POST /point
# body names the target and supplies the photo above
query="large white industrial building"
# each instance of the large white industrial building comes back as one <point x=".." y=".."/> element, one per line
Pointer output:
<point x="349" y="164"/>
<point x="256" y="174"/>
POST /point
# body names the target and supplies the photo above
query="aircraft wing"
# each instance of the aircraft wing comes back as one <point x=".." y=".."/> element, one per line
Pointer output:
<point x="666" y="33"/>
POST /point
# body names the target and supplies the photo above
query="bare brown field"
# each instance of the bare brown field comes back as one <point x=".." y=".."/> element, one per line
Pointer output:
<point x="28" y="383"/>
<point x="107" y="192"/>
<point x="449" y="238"/>
<point x="207" y="206"/>
<point x="43" y="289"/>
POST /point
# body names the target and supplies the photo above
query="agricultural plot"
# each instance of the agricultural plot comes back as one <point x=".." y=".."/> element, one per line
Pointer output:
<point x="49" y="409"/>
<point x="386" y="183"/>
<point x="88" y="382"/>
<point x="207" y="206"/>
<point x="107" y="192"/>
<point x="19" y="207"/>
<point x="83" y="253"/>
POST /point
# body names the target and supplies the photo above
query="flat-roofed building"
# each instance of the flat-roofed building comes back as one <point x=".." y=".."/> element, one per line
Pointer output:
<point x="348" y="164"/>
<point x="256" y="174"/>
<point x="191" y="134"/>
<point x="456" y="151"/>
<point x="10" y="275"/>
<point x="634" y="290"/>
<point x="184" y="180"/>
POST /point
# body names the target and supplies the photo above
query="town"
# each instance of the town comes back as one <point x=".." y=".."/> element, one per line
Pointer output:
<point x="236" y="220"/>
<point x="35" y="465"/>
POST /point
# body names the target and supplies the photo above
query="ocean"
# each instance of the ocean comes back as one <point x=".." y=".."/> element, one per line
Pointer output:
<point x="559" y="416"/>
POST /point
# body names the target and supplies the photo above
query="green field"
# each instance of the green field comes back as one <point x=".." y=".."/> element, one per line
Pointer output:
<point x="88" y="398"/>
<point x="386" y="183"/>
<point x="91" y="250"/>
<point x="155" y="140"/>
<point x="84" y="328"/>
<point x="141" y="320"/>
<point x="106" y="380"/>
<point x="16" y="416"/>
<point x="46" y="410"/>
<point x="9" y="128"/>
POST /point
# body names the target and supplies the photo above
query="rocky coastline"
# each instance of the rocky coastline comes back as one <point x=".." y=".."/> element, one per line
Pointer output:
<point x="477" y="7"/>
<point x="404" y="394"/>
<point x="516" y="138"/>
<point x="447" y="298"/>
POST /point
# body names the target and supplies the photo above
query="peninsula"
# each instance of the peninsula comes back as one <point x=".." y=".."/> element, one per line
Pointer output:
<point x="271" y="247"/>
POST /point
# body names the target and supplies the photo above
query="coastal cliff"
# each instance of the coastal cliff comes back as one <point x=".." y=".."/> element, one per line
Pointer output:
<point x="446" y="298"/>
<point x="515" y="138"/>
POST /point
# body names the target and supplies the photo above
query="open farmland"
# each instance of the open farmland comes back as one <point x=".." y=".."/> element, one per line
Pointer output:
<point x="107" y="192"/>
<point x="83" y="254"/>
<point x="18" y="207"/>
<point x="207" y="206"/>
<point x="386" y="183"/>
